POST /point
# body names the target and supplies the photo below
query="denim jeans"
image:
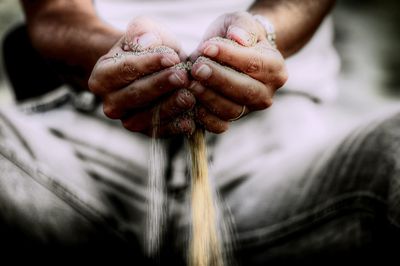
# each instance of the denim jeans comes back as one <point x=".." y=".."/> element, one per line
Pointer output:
<point x="73" y="187"/>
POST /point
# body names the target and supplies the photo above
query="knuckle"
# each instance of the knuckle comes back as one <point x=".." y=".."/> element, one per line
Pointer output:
<point x="264" y="103"/>
<point x="153" y="62"/>
<point x="127" y="69"/>
<point x="281" y="78"/>
<point x="126" y="124"/>
<point x="110" y="111"/>
<point x="93" y="84"/>
<point x="219" y="127"/>
<point x="211" y="123"/>
<point x="185" y="100"/>
<point x="255" y="65"/>
<point x="250" y="94"/>
<point x="182" y="125"/>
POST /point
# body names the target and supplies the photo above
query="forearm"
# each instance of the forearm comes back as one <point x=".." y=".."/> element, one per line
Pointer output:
<point x="295" y="21"/>
<point x="70" y="33"/>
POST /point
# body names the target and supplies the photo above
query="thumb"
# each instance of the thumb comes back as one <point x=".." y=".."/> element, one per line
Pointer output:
<point x="240" y="27"/>
<point x="241" y="36"/>
<point x="141" y="33"/>
<point x="244" y="29"/>
<point x="144" y="33"/>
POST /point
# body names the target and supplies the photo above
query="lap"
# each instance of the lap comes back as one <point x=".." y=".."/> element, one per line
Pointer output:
<point x="94" y="173"/>
<point x="343" y="204"/>
<point x="69" y="180"/>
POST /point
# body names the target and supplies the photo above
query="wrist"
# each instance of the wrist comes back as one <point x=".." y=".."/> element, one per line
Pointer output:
<point x="76" y="40"/>
<point x="72" y="45"/>
<point x="269" y="29"/>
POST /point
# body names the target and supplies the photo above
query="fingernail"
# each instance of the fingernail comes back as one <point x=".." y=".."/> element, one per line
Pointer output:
<point x="186" y="125"/>
<point x="176" y="80"/>
<point x="185" y="100"/>
<point x="167" y="62"/>
<point x="204" y="72"/>
<point x="211" y="50"/>
<point x="147" y="40"/>
<point x="240" y="35"/>
<point x="196" y="88"/>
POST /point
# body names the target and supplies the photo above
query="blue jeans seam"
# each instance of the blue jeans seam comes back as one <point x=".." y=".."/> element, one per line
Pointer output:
<point x="61" y="192"/>
<point x="265" y="234"/>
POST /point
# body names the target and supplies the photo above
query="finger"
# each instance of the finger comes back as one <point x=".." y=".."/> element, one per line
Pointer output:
<point x="244" y="29"/>
<point x="209" y="121"/>
<point x="119" y="68"/>
<point x="236" y="86"/>
<point x="215" y="103"/>
<point x="181" y="125"/>
<point x="240" y="27"/>
<point x="144" y="33"/>
<point x="261" y="62"/>
<point x="143" y="92"/>
<point x="177" y="104"/>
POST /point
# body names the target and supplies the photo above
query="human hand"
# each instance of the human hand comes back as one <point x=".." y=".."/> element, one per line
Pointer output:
<point x="236" y="71"/>
<point x="139" y="75"/>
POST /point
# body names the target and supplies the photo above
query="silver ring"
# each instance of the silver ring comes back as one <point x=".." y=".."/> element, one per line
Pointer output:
<point x="240" y="115"/>
<point x="269" y="29"/>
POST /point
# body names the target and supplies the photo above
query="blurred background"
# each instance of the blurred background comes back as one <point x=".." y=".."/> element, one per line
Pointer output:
<point x="367" y="38"/>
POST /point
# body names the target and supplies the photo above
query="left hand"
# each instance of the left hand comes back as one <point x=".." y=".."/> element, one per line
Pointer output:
<point x="234" y="76"/>
<point x="138" y="77"/>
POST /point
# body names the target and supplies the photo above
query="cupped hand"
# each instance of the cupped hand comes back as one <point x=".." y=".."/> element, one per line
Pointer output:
<point x="235" y="71"/>
<point x="139" y="76"/>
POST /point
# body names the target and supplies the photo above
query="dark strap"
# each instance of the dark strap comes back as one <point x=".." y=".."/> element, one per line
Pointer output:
<point x="29" y="74"/>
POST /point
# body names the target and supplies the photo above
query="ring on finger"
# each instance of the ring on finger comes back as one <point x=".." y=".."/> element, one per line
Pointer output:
<point x="240" y="115"/>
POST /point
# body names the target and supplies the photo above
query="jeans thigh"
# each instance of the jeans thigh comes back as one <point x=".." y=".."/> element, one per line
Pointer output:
<point x="339" y="201"/>
<point x="64" y="188"/>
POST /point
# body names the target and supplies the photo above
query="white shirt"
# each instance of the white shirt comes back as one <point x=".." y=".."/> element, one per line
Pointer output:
<point x="312" y="70"/>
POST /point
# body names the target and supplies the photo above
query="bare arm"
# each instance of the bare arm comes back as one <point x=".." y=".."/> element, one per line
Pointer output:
<point x="70" y="32"/>
<point x="295" y="21"/>
<point x="101" y="58"/>
<point x="225" y="94"/>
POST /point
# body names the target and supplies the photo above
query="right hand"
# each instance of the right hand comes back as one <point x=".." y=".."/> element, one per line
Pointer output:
<point x="133" y="84"/>
<point x="236" y="71"/>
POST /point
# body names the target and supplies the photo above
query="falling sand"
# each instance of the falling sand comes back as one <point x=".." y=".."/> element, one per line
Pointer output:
<point x="209" y="231"/>
<point x="205" y="247"/>
<point x="156" y="217"/>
